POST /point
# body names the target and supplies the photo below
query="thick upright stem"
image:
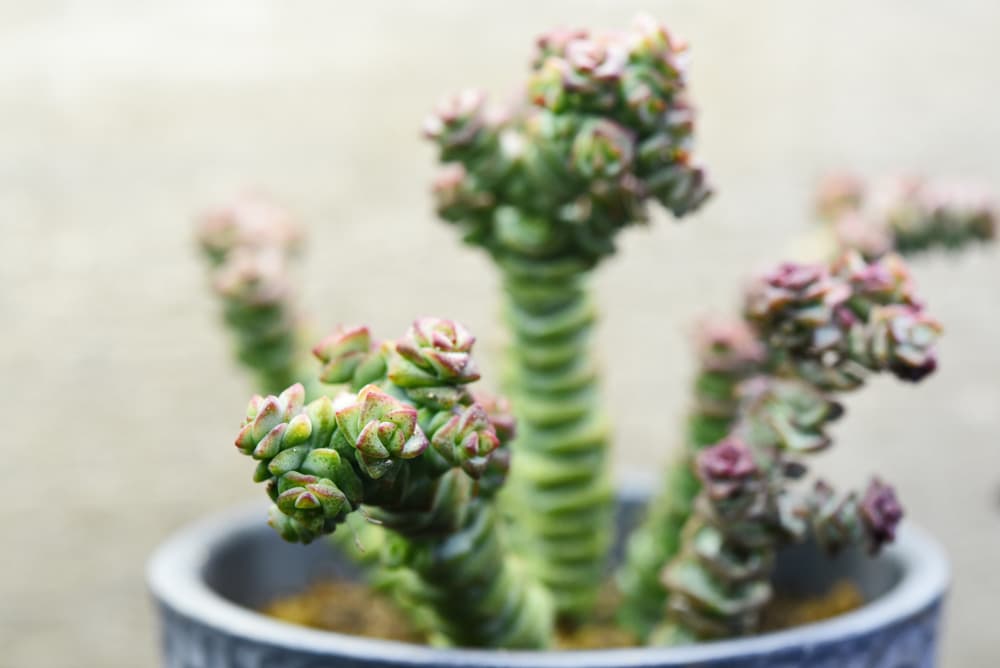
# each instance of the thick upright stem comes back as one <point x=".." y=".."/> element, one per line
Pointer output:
<point x="461" y="587"/>
<point x="656" y="541"/>
<point x="652" y="545"/>
<point x="728" y="353"/>
<point x="559" y="493"/>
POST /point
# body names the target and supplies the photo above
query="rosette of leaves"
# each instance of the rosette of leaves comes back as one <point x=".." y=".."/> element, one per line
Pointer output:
<point x="834" y="326"/>
<point x="249" y="244"/>
<point x="748" y="508"/>
<point x="413" y="451"/>
<point x="350" y="356"/>
<point x="908" y="216"/>
<point x="604" y="130"/>
<point x="728" y="353"/>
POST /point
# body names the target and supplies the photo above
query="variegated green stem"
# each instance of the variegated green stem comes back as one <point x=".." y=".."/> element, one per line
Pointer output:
<point x="459" y="585"/>
<point x="720" y="579"/>
<point x="267" y="341"/>
<point x="651" y="545"/>
<point x="658" y="538"/>
<point x="603" y="131"/>
<point x="728" y="353"/>
<point x="559" y="493"/>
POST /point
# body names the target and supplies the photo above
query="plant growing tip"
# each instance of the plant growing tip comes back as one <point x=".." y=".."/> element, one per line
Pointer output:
<point x="908" y="215"/>
<point x="434" y="352"/>
<point x="837" y="522"/>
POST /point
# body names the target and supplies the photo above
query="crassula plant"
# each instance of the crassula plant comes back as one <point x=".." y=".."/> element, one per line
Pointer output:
<point x="488" y="520"/>
<point x="602" y="130"/>
<point x="908" y="214"/>
<point x="414" y="451"/>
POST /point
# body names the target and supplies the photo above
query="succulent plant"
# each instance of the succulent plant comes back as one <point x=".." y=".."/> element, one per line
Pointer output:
<point x="909" y="215"/>
<point x="249" y="244"/>
<point x="748" y="509"/>
<point x="828" y="328"/>
<point x="410" y="460"/>
<point x="829" y="325"/>
<point x="604" y="129"/>
<point x="488" y="520"/>
<point x="728" y="353"/>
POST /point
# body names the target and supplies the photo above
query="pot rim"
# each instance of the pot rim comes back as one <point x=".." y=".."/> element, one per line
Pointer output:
<point x="175" y="578"/>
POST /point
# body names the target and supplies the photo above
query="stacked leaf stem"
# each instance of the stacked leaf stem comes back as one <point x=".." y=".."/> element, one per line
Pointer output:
<point x="415" y="452"/>
<point x="249" y="244"/>
<point x="728" y="354"/>
<point x="604" y="129"/>
<point x="826" y="330"/>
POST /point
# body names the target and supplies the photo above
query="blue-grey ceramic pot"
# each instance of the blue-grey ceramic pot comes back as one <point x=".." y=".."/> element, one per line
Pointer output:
<point x="208" y="579"/>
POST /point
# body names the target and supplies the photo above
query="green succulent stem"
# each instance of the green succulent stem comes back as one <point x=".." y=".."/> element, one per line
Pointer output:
<point x="652" y="545"/>
<point x="604" y="131"/>
<point x="249" y="245"/>
<point x="458" y="584"/>
<point x="657" y="539"/>
<point x="414" y="452"/>
<point x="267" y="340"/>
<point x="270" y="358"/>
<point x="559" y="494"/>
<point x="719" y="580"/>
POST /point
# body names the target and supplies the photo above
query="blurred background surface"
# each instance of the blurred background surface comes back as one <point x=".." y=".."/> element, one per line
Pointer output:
<point x="119" y="120"/>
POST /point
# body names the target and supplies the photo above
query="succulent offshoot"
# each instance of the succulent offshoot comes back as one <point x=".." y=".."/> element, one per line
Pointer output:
<point x="249" y="244"/>
<point x="824" y="329"/>
<point x="909" y="215"/>
<point x="750" y="506"/>
<point x="413" y="448"/>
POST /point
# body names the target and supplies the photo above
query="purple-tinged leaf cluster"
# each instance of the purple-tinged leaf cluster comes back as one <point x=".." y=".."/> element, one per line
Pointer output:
<point x="839" y="521"/>
<point x="726" y="469"/>
<point x="323" y="459"/>
<point x="836" y="326"/>
<point x="908" y="215"/>
<point x="604" y="128"/>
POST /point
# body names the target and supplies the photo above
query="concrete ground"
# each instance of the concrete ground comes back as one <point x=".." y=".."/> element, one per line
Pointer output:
<point x="120" y="119"/>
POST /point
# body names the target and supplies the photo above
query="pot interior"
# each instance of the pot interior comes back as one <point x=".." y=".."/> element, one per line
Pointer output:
<point x="256" y="566"/>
